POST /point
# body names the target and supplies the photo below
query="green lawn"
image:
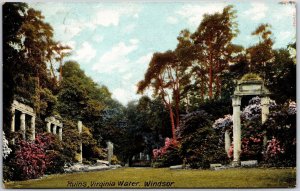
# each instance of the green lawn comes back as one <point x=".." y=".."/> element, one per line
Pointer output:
<point x="137" y="177"/>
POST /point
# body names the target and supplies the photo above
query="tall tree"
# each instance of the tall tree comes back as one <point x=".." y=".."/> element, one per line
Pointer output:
<point x="163" y="76"/>
<point x="213" y="43"/>
<point x="13" y="18"/>
<point x="261" y="54"/>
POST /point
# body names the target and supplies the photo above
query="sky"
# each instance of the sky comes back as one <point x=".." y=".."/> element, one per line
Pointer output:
<point x="114" y="42"/>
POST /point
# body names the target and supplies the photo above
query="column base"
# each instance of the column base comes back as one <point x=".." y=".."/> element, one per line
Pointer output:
<point x="236" y="163"/>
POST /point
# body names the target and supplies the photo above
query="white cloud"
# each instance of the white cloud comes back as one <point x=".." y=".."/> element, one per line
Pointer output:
<point x="111" y="16"/>
<point x="98" y="38"/>
<point x="194" y="13"/>
<point x="85" y="53"/>
<point x="125" y="95"/>
<point x="257" y="11"/>
<point x="107" y="18"/>
<point x="56" y="8"/>
<point x="172" y="20"/>
<point x="129" y="28"/>
<point x="286" y="11"/>
<point x="116" y="59"/>
<point x="145" y="59"/>
<point x="283" y="35"/>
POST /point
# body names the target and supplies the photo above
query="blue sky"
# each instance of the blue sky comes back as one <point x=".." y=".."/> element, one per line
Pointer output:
<point x="114" y="42"/>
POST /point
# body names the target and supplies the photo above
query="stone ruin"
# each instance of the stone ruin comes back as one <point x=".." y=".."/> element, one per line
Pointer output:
<point x="246" y="87"/>
<point x="24" y="110"/>
<point x="52" y="125"/>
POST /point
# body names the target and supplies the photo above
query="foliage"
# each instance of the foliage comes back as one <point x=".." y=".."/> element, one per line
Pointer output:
<point x="167" y="155"/>
<point x="200" y="144"/>
<point x="29" y="161"/>
<point x="281" y="129"/>
<point x="222" y="123"/>
<point x="6" y="150"/>
<point x="250" y="76"/>
<point x="114" y="160"/>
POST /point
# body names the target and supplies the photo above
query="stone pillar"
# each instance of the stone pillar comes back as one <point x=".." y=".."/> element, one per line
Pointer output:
<point x="54" y="129"/>
<point x="236" y="103"/>
<point x="13" y="123"/>
<point x="148" y="157"/>
<point x="48" y="127"/>
<point x="227" y="141"/>
<point x="60" y="133"/>
<point x="23" y="125"/>
<point x="110" y="151"/>
<point x="79" y="125"/>
<point x="265" y="103"/>
<point x="32" y="128"/>
<point x="141" y="155"/>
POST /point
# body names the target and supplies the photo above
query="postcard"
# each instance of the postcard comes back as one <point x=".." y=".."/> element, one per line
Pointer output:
<point x="149" y="94"/>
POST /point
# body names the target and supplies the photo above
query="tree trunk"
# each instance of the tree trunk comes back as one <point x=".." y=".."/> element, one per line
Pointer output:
<point x="172" y="121"/>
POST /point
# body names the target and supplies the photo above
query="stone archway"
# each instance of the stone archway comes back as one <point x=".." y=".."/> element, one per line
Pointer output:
<point x="247" y="86"/>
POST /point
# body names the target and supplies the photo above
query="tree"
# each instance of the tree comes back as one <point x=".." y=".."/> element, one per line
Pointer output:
<point x="215" y="51"/>
<point x="13" y="17"/>
<point x="261" y="53"/>
<point x="163" y="75"/>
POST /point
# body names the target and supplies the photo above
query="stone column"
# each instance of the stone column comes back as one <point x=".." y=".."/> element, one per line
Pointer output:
<point x="110" y="151"/>
<point x="60" y="133"/>
<point x="48" y="127"/>
<point x="54" y="129"/>
<point x="12" y="128"/>
<point x="32" y="128"/>
<point x="141" y="155"/>
<point x="227" y="141"/>
<point x="23" y="125"/>
<point x="265" y="103"/>
<point x="236" y="103"/>
<point x="79" y="125"/>
<point x="148" y="157"/>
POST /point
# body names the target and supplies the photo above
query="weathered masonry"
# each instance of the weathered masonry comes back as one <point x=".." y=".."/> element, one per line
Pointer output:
<point x="52" y="125"/>
<point x="23" y="110"/>
<point x="246" y="87"/>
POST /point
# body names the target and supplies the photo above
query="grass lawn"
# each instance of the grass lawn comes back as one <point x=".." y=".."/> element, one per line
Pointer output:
<point x="165" y="178"/>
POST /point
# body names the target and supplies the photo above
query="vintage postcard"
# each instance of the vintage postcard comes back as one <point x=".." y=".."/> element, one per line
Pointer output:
<point x="149" y="94"/>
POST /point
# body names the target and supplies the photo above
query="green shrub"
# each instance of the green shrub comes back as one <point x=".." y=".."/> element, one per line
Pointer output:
<point x="114" y="160"/>
<point x="200" y="144"/>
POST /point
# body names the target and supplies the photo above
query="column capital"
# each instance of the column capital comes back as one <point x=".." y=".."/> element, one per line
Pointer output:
<point x="236" y="100"/>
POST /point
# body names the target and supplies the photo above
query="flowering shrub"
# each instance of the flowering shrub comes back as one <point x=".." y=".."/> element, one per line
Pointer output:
<point x="29" y="161"/>
<point x="292" y="109"/>
<point x="274" y="148"/>
<point x="222" y="123"/>
<point x="253" y="110"/>
<point x="281" y="128"/>
<point x="6" y="149"/>
<point x="34" y="159"/>
<point x="167" y="155"/>
<point x="169" y="143"/>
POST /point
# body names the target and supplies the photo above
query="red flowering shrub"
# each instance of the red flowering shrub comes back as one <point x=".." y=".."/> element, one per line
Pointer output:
<point x="169" y="143"/>
<point x="29" y="161"/>
<point x="33" y="159"/>
<point x="167" y="155"/>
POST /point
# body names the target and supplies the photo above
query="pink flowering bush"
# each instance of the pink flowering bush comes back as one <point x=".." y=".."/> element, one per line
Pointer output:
<point x="274" y="148"/>
<point x="167" y="155"/>
<point x="281" y="131"/>
<point x="32" y="159"/>
<point x="29" y="161"/>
